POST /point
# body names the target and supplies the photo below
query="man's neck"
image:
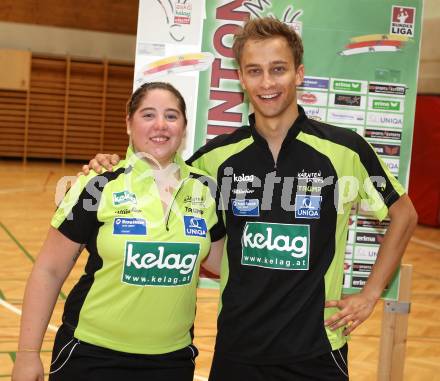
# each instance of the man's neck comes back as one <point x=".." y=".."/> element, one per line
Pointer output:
<point x="274" y="130"/>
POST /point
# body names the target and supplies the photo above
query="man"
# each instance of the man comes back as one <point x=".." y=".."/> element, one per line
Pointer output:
<point x="288" y="184"/>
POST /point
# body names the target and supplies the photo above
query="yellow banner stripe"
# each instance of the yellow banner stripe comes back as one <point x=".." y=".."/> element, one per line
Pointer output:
<point x="377" y="37"/>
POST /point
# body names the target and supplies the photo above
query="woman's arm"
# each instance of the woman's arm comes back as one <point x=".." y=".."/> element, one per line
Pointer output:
<point x="53" y="265"/>
<point x="214" y="259"/>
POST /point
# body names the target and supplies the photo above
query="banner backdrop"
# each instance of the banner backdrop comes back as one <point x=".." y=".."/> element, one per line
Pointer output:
<point x="361" y="62"/>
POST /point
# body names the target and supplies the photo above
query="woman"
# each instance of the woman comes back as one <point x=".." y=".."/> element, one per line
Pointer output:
<point x="147" y="227"/>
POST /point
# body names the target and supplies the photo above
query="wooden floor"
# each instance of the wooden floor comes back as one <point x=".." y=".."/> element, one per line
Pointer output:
<point x="27" y="203"/>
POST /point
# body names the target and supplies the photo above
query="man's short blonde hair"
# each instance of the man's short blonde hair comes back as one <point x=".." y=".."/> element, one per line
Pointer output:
<point x="265" y="28"/>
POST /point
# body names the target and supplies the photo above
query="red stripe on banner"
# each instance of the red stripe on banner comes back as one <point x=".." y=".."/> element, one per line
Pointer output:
<point x="219" y="130"/>
<point x="374" y="43"/>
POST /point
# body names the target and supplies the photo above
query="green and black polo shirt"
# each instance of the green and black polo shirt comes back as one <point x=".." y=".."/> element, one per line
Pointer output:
<point x="138" y="292"/>
<point x="286" y="225"/>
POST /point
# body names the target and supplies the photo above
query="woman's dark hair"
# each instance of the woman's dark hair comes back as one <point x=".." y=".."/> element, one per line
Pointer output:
<point x="136" y="98"/>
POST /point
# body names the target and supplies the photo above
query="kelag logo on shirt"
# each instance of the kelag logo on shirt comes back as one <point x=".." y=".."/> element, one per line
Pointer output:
<point x="276" y="246"/>
<point x="124" y="197"/>
<point x="195" y="226"/>
<point x="159" y="263"/>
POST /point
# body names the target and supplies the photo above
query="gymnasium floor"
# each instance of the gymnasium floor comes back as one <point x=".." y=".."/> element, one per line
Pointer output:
<point x="27" y="203"/>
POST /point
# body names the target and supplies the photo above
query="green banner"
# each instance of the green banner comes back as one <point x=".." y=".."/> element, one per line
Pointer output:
<point x="361" y="62"/>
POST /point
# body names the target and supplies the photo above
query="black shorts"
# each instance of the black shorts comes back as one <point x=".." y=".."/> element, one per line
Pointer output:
<point x="331" y="366"/>
<point x="74" y="360"/>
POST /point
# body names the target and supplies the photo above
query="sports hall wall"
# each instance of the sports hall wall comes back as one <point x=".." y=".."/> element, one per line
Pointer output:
<point x="62" y="107"/>
<point x="66" y="71"/>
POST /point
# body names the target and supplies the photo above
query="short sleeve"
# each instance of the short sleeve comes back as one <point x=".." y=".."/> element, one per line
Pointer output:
<point x="76" y="216"/>
<point x="218" y="230"/>
<point x="378" y="188"/>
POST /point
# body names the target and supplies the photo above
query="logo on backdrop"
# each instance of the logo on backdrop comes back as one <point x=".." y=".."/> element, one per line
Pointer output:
<point x="182" y="12"/>
<point x="402" y="21"/>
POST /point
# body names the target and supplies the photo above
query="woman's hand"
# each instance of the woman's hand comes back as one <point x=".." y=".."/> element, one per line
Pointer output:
<point x="28" y="367"/>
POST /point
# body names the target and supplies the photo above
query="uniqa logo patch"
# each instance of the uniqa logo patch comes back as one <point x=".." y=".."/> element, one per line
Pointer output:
<point x="307" y="206"/>
<point x="195" y="226"/>
<point x="159" y="263"/>
<point x="124" y="197"/>
<point x="276" y="246"/>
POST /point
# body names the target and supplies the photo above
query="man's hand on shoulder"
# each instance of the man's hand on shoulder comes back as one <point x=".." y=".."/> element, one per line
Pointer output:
<point x="100" y="163"/>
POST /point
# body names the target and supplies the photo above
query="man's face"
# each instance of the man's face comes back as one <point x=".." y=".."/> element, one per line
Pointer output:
<point x="267" y="72"/>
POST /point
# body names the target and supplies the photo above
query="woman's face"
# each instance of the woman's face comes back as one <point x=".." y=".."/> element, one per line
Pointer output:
<point x="157" y="126"/>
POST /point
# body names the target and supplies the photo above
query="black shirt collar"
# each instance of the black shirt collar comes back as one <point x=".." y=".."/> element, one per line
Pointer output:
<point x="291" y="134"/>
